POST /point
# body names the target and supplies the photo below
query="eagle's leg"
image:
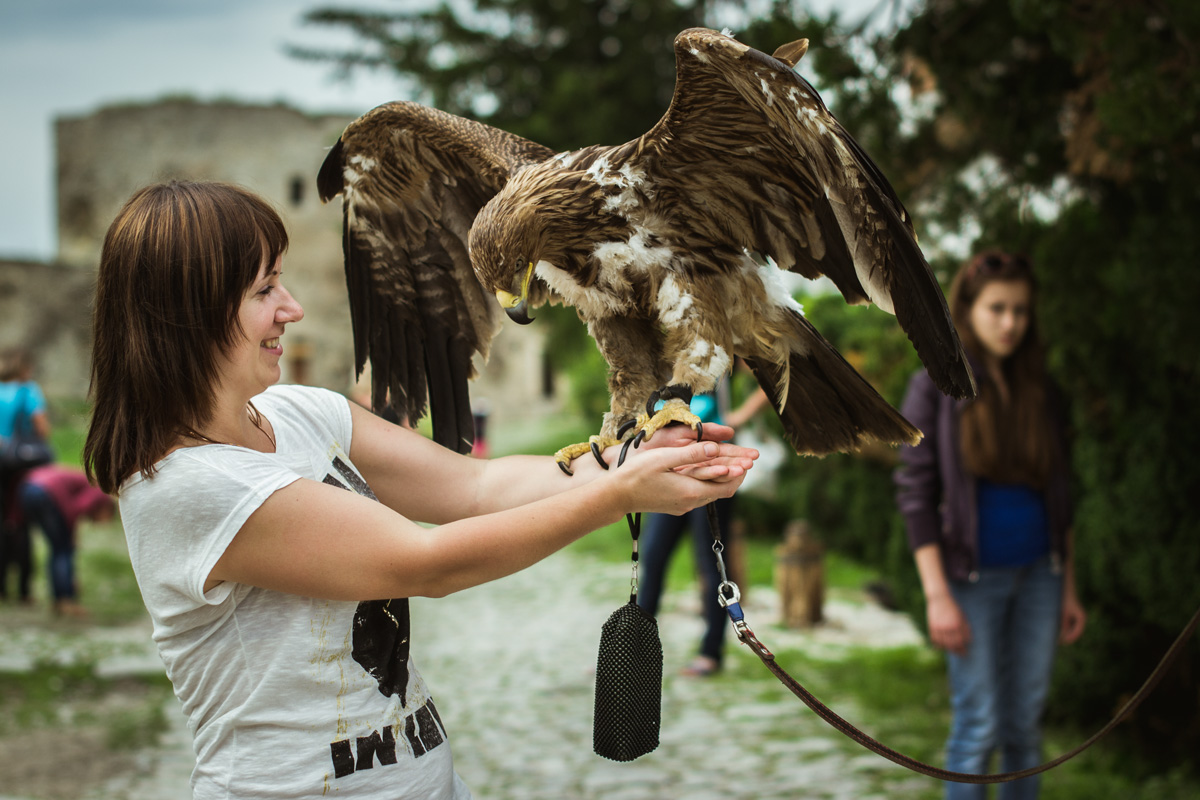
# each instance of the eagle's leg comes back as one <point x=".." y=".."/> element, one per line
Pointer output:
<point x="675" y="399"/>
<point x="594" y="445"/>
<point x="631" y="347"/>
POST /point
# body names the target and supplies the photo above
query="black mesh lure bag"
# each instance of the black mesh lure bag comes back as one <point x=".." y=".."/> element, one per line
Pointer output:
<point x="629" y="665"/>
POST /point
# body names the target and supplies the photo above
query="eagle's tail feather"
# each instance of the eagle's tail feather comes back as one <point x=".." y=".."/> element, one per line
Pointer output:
<point x="824" y="404"/>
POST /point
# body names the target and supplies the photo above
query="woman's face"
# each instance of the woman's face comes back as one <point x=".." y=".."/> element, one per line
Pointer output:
<point x="253" y="363"/>
<point x="1000" y="316"/>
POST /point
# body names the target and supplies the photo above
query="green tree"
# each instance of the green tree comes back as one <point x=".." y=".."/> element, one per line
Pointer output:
<point x="1065" y="129"/>
<point x="566" y="73"/>
<point x="1094" y="105"/>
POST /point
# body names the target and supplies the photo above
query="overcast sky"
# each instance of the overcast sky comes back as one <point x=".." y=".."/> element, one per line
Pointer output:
<point x="71" y="57"/>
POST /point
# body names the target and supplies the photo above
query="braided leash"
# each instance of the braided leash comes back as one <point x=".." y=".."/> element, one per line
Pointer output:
<point x="729" y="597"/>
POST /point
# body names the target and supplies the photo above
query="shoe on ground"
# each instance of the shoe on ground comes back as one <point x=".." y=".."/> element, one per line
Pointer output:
<point x="69" y="608"/>
<point x="701" y="667"/>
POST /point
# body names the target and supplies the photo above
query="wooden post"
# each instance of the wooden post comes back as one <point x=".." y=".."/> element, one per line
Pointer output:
<point x="800" y="576"/>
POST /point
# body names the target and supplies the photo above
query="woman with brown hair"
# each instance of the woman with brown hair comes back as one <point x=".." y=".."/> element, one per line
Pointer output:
<point x="273" y="529"/>
<point x="986" y="503"/>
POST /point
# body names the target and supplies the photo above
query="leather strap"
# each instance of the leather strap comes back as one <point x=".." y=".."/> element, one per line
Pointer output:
<point x="747" y="637"/>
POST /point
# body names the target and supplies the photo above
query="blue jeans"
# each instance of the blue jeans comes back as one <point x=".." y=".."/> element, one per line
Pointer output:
<point x="39" y="509"/>
<point x="657" y="542"/>
<point x="998" y="689"/>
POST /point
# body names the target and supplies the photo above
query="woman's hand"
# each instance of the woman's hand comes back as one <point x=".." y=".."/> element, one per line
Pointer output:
<point x="730" y="463"/>
<point x="1074" y="618"/>
<point x="948" y="627"/>
<point x="675" y="478"/>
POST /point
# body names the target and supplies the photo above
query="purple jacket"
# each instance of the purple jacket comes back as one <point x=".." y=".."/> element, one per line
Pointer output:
<point x="935" y="494"/>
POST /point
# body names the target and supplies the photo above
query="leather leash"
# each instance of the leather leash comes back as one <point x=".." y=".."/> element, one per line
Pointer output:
<point x="729" y="596"/>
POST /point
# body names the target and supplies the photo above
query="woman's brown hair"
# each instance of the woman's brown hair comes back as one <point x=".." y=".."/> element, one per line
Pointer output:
<point x="1007" y="442"/>
<point x="176" y="263"/>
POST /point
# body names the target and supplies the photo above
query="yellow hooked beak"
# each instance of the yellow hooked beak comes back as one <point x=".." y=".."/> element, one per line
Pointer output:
<point x="516" y="307"/>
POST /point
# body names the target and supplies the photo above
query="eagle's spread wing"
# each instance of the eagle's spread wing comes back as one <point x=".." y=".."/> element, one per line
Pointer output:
<point x="777" y="174"/>
<point x="412" y="180"/>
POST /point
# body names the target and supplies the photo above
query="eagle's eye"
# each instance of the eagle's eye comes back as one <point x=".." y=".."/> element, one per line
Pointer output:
<point x="515" y="285"/>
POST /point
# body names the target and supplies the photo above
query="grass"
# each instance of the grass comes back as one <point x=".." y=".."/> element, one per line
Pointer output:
<point x="128" y="712"/>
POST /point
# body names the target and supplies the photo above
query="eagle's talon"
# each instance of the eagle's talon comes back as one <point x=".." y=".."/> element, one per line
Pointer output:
<point x="625" y="426"/>
<point x="596" y="453"/>
<point x="566" y="470"/>
<point x="624" y="451"/>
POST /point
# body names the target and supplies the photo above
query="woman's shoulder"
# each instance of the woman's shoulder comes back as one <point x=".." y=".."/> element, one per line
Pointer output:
<point x="306" y="408"/>
<point x="201" y="487"/>
<point x="303" y="400"/>
<point x="197" y="466"/>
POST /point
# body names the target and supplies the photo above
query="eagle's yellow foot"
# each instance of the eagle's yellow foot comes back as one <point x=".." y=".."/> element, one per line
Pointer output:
<point x="675" y="409"/>
<point x="595" y="445"/>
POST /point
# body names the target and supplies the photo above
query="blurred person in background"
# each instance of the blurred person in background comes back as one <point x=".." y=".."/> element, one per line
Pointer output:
<point x="985" y="498"/>
<point x="22" y="411"/>
<point x="53" y="498"/>
<point x="663" y="532"/>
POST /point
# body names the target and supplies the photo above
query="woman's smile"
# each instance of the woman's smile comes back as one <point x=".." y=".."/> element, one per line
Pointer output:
<point x="267" y="308"/>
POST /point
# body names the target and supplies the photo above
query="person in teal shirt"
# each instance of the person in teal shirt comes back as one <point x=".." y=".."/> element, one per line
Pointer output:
<point x="22" y="407"/>
<point x="663" y="533"/>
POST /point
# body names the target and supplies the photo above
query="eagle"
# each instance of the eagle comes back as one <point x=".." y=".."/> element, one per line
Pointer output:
<point x="670" y="247"/>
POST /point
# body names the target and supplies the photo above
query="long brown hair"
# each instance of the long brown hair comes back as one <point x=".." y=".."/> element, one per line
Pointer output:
<point x="176" y="263"/>
<point x="1004" y="442"/>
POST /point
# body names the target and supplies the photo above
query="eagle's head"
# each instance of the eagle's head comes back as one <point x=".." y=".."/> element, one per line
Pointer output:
<point x="504" y="251"/>
<point x="540" y="215"/>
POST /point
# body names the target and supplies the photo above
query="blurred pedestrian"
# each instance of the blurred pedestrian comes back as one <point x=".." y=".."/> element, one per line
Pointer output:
<point x="663" y="532"/>
<point x="985" y="497"/>
<point x="23" y="419"/>
<point x="53" y="498"/>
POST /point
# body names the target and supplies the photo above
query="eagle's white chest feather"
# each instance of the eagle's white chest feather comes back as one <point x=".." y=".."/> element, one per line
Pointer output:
<point x="592" y="302"/>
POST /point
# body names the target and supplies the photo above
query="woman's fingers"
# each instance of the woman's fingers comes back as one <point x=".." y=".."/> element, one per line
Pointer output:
<point x="715" y="432"/>
<point x="719" y="469"/>
<point x="677" y="479"/>
<point x="676" y="435"/>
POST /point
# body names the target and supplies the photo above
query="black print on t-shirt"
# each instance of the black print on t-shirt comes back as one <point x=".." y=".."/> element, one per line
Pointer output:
<point x="422" y="729"/>
<point x="380" y="627"/>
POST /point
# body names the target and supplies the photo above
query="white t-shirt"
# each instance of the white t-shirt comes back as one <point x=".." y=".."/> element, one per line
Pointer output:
<point x="286" y="696"/>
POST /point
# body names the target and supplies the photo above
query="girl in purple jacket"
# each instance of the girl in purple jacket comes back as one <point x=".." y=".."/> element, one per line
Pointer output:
<point x="986" y="504"/>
